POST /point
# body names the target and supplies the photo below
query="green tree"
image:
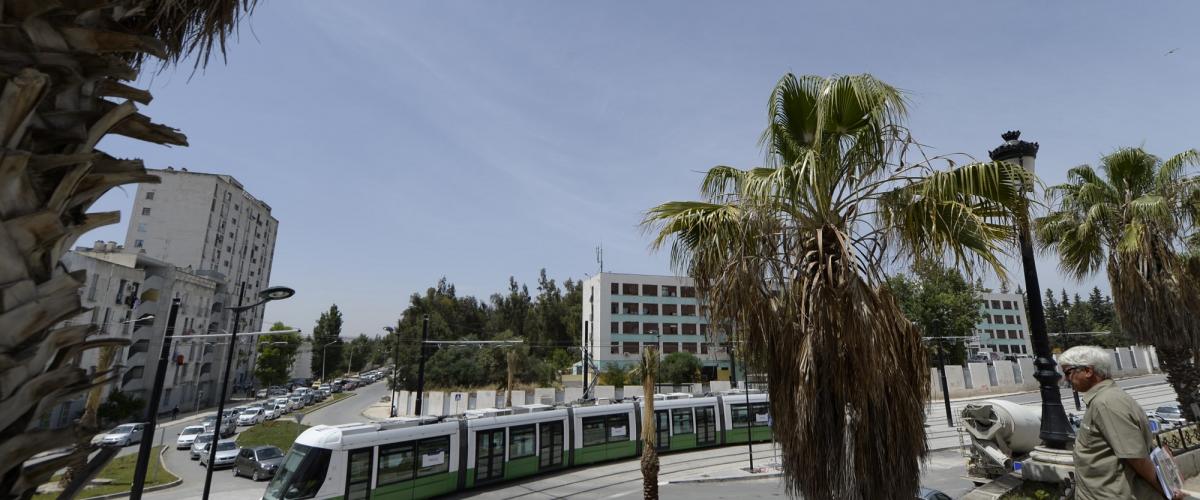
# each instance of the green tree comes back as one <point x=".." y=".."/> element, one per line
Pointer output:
<point x="942" y="302"/>
<point x="794" y="253"/>
<point x="276" y="355"/>
<point x="1080" y="317"/>
<point x="1131" y="218"/>
<point x="359" y="353"/>
<point x="1056" y="316"/>
<point x="614" y="374"/>
<point x="680" y="368"/>
<point x="327" y="346"/>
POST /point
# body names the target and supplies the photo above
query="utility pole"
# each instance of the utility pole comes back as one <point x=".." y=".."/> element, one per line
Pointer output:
<point x="421" y="365"/>
<point x="512" y="359"/>
<point x="147" y="444"/>
<point x="586" y="361"/>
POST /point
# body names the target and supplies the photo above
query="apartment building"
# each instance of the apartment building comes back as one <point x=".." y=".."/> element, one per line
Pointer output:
<point x="1003" y="327"/>
<point x="210" y="225"/>
<point x="129" y="295"/>
<point x="622" y="313"/>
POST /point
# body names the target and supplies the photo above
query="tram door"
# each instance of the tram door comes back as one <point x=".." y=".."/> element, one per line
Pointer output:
<point x="489" y="455"/>
<point x="662" y="429"/>
<point x="550" y="445"/>
<point x="706" y="425"/>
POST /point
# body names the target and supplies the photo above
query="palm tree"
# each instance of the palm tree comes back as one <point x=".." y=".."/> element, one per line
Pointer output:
<point x="1133" y="218"/>
<point x="648" y="367"/>
<point x="63" y="91"/>
<point x="793" y="254"/>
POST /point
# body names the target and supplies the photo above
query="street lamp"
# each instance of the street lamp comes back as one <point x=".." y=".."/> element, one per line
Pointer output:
<point x="266" y="295"/>
<point x="1056" y="429"/>
<point x="143" y="458"/>
<point x="395" y="370"/>
<point x="338" y="341"/>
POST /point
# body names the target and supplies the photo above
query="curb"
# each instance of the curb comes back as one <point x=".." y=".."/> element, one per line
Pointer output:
<point x="307" y="411"/>
<point x="722" y="479"/>
<point x="178" y="481"/>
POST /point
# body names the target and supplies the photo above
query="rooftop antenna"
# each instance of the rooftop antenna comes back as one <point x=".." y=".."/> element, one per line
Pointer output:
<point x="600" y="257"/>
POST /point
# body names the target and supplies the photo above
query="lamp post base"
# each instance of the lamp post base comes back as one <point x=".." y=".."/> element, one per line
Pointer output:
<point x="1048" y="465"/>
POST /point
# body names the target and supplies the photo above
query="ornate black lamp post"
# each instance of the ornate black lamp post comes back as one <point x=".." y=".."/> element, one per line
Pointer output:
<point x="1056" y="429"/>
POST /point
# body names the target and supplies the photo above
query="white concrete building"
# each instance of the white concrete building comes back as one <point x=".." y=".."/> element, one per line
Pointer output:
<point x="624" y="312"/>
<point x="209" y="224"/>
<point x="1003" y="327"/>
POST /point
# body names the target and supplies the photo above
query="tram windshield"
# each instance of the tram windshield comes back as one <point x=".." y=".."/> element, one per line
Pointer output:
<point x="301" y="474"/>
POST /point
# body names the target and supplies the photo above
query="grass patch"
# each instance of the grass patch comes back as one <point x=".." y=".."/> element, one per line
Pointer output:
<point x="279" y="433"/>
<point x="328" y="401"/>
<point x="120" y="472"/>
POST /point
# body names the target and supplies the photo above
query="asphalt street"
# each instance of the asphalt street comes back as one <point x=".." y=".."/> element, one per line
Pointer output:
<point x="943" y="471"/>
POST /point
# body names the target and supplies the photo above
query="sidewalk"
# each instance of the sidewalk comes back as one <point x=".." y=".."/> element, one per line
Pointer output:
<point x="1035" y="390"/>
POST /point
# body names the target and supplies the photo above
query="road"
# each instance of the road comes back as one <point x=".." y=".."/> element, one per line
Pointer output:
<point x="224" y="485"/>
<point x="623" y="479"/>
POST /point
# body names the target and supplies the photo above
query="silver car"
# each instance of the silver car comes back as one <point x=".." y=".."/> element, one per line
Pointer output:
<point x="188" y="435"/>
<point x="200" y="446"/>
<point x="227" y="452"/>
<point x="123" y="435"/>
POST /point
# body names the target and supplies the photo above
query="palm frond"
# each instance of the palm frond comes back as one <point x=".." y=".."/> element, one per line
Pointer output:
<point x="191" y="27"/>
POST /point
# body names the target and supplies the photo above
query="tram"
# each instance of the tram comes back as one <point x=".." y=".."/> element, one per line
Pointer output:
<point x="414" y="458"/>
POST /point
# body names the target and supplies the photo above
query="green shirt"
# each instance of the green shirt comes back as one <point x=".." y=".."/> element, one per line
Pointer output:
<point x="1114" y="427"/>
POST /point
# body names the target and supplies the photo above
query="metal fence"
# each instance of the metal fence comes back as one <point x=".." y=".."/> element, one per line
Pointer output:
<point x="1179" y="439"/>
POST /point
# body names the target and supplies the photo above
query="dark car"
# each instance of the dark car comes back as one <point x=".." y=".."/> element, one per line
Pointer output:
<point x="932" y="494"/>
<point x="259" y="462"/>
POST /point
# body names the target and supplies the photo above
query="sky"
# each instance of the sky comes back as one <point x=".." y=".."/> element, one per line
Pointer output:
<point x="400" y="142"/>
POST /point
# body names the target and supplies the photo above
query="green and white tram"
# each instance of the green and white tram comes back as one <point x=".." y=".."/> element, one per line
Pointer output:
<point x="410" y="458"/>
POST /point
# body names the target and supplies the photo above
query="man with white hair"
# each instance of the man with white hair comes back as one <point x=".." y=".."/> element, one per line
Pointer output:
<point x="1112" y="448"/>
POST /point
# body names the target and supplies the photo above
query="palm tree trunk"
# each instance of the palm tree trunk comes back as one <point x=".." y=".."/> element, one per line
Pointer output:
<point x="649" y="371"/>
<point x="89" y="419"/>
<point x="1178" y="362"/>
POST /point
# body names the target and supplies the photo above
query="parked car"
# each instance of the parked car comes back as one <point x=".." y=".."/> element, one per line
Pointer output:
<point x="1171" y="415"/>
<point x="296" y="402"/>
<point x="200" y="445"/>
<point x="276" y="391"/>
<point x="227" y="452"/>
<point x="262" y="393"/>
<point x="269" y="412"/>
<point x="258" y="463"/>
<point x="251" y="416"/>
<point x="931" y="494"/>
<point x="123" y="435"/>
<point x="187" y="436"/>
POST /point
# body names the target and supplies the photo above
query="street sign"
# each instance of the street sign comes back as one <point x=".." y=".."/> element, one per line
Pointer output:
<point x="458" y="397"/>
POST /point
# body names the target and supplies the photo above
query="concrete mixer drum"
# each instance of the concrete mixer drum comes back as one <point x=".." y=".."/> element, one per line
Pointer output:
<point x="1001" y="432"/>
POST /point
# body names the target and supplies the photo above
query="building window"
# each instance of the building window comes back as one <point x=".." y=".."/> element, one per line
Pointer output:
<point x="1008" y="305"/>
<point x="629" y="327"/>
<point x="149" y="195"/>
<point x="138" y="243"/>
<point x="689" y="347"/>
<point x="629" y="347"/>
<point x="615" y="288"/>
<point x="669" y="291"/>
<point x="629" y="308"/>
<point x="703" y="329"/>
<point x="615" y="348"/>
<point x="704" y="348"/>
<point x="145" y="210"/>
<point x="687" y="291"/>
<point x="995" y="304"/>
<point x="687" y="310"/>
<point x="141" y="227"/>
<point x="650" y="328"/>
<point x="1018" y="319"/>
<point x="670" y="347"/>
<point x="92" y="292"/>
<point x="615" y="307"/>
<point x="614" y="327"/>
<point x="689" y="329"/>
<point x="629" y="289"/>
<point x="650" y="290"/>
<point x="670" y="310"/>
<point x="671" y="329"/>
<point x="1009" y="320"/>
<point x="650" y="309"/>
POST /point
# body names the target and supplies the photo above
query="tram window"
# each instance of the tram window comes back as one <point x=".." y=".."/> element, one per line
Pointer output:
<point x="358" y="483"/>
<point x="301" y="475"/>
<point x="759" y="415"/>
<point x="521" y="442"/>
<point x="681" y="421"/>
<point x="434" y="454"/>
<point x="593" y="431"/>
<point x="396" y="463"/>
<point x="618" y="428"/>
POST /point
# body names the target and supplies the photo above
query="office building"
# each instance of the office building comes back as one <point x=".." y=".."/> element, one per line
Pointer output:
<point x="622" y="313"/>
<point x="1003" y="327"/>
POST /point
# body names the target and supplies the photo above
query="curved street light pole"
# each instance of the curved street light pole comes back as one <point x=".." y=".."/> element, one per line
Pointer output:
<point x="267" y="295"/>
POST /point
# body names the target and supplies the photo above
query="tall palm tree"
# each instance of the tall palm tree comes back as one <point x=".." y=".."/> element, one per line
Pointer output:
<point x="648" y="367"/>
<point x="1133" y="218"/>
<point x="794" y="254"/>
<point x="63" y="78"/>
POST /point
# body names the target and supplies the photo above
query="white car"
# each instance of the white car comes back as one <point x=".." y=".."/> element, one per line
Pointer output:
<point x="270" y="412"/>
<point x="282" y="404"/>
<point x="227" y="452"/>
<point x="123" y="435"/>
<point x="200" y="446"/>
<point x="251" y="416"/>
<point x="187" y="436"/>
<point x="296" y="402"/>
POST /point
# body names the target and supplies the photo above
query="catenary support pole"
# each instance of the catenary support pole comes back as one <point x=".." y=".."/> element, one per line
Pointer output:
<point x="212" y="447"/>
